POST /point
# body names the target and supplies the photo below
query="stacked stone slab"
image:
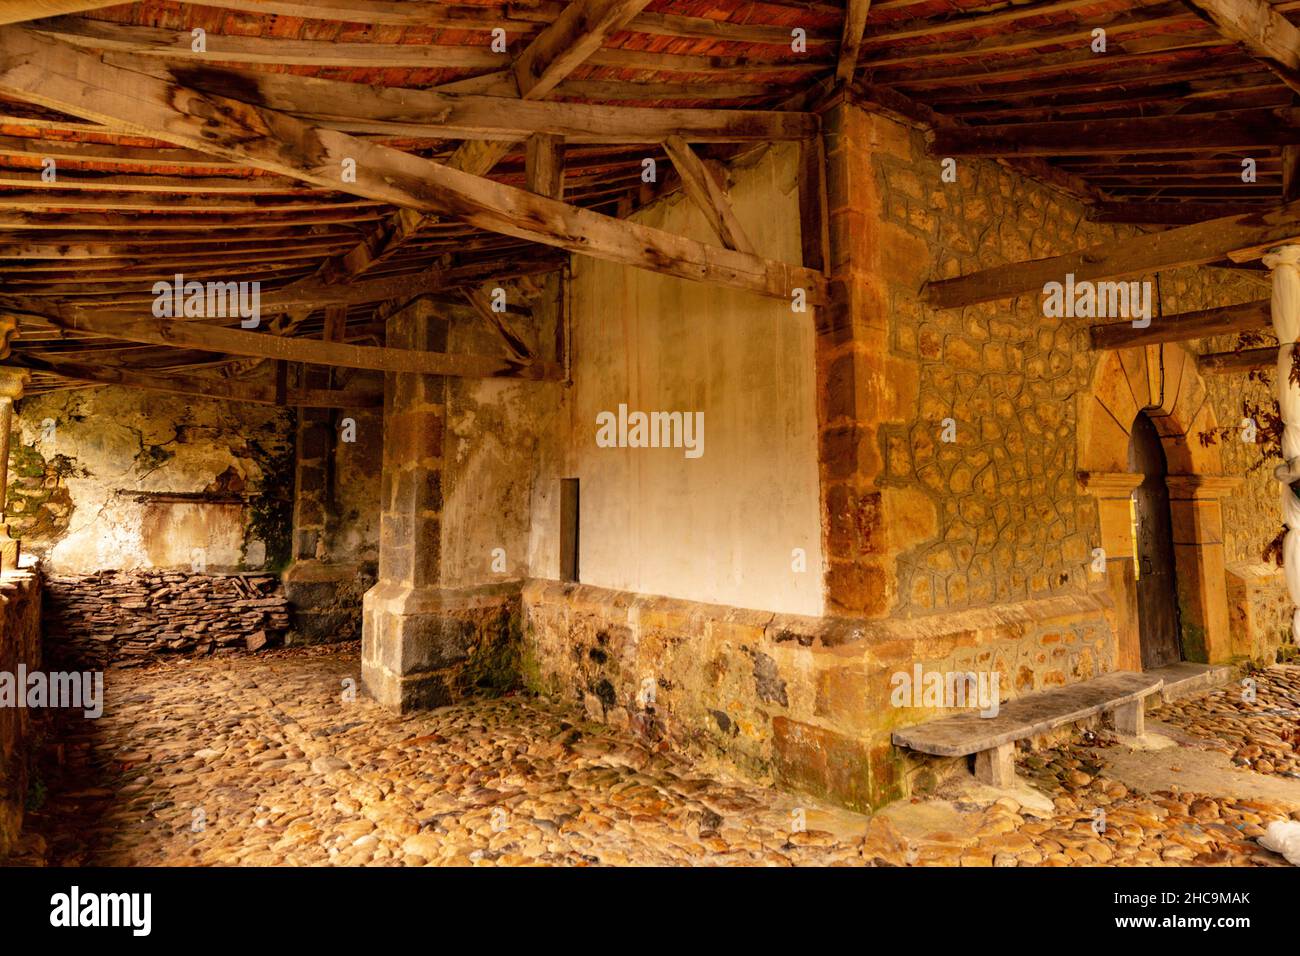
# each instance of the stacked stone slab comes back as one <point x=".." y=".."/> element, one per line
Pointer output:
<point x="132" y="617"/>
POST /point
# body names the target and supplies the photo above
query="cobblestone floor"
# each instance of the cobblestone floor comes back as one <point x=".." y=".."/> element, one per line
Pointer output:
<point x="257" y="760"/>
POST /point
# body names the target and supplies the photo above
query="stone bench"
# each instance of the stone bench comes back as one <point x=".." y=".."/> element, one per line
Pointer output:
<point x="992" y="739"/>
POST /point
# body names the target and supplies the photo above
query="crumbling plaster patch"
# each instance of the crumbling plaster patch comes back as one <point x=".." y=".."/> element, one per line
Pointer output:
<point x="117" y="439"/>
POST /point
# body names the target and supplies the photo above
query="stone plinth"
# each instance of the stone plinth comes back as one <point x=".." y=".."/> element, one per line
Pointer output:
<point x="325" y="600"/>
<point x="427" y="646"/>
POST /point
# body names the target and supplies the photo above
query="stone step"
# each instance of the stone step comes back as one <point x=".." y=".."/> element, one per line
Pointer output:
<point x="1188" y="679"/>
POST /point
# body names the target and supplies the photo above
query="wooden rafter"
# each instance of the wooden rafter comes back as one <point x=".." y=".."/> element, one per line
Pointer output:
<point x="1260" y="29"/>
<point x="855" y="25"/>
<point x="50" y="73"/>
<point x="705" y="190"/>
<point x="227" y="48"/>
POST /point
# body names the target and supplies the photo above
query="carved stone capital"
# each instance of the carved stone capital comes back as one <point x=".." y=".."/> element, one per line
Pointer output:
<point x="1108" y="484"/>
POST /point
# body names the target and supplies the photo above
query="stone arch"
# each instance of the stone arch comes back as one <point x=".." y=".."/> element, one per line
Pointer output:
<point x="1163" y="381"/>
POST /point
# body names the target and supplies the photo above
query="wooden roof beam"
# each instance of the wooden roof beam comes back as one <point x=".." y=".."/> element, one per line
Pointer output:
<point x="18" y="11"/>
<point x="37" y="69"/>
<point x="1184" y="326"/>
<point x="360" y="107"/>
<point x="855" y="25"/>
<point x="213" y="338"/>
<point x="1244" y="360"/>
<point x="177" y="383"/>
<point x="1204" y="242"/>
<point x="1261" y="29"/>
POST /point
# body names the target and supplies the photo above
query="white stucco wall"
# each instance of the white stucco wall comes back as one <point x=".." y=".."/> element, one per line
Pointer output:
<point x="722" y="527"/>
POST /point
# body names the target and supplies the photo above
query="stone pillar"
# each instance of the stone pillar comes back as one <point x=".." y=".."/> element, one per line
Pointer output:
<point x="311" y="489"/>
<point x="425" y="644"/>
<point x="403" y="645"/>
<point x="324" y="594"/>
<point x="1195" y="505"/>
<point x="1284" y="262"/>
<point x="861" y="385"/>
<point x="11" y="389"/>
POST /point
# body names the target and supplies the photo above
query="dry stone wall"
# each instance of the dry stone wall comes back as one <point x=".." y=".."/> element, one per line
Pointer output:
<point x="126" y="618"/>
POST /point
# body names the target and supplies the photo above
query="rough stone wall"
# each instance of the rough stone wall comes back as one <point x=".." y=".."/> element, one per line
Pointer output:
<point x="75" y="450"/>
<point x="496" y="429"/>
<point x="1253" y="515"/>
<point x="352" y="525"/>
<point x="1012" y="523"/>
<point x="804" y="701"/>
<point x="20" y="644"/>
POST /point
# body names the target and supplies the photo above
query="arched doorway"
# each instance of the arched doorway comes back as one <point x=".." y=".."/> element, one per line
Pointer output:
<point x="1162" y="383"/>
<point x="1157" y="585"/>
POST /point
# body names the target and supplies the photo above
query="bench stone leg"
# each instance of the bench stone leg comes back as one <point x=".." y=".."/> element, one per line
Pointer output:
<point x="1130" y="718"/>
<point x="997" y="766"/>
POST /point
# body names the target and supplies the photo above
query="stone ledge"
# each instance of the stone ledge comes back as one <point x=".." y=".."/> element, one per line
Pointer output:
<point x="829" y="632"/>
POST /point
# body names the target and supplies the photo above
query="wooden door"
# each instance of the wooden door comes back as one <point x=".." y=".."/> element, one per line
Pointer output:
<point x="1157" y="599"/>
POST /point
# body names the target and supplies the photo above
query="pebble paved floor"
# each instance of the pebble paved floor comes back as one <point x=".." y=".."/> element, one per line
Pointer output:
<point x="261" y="759"/>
